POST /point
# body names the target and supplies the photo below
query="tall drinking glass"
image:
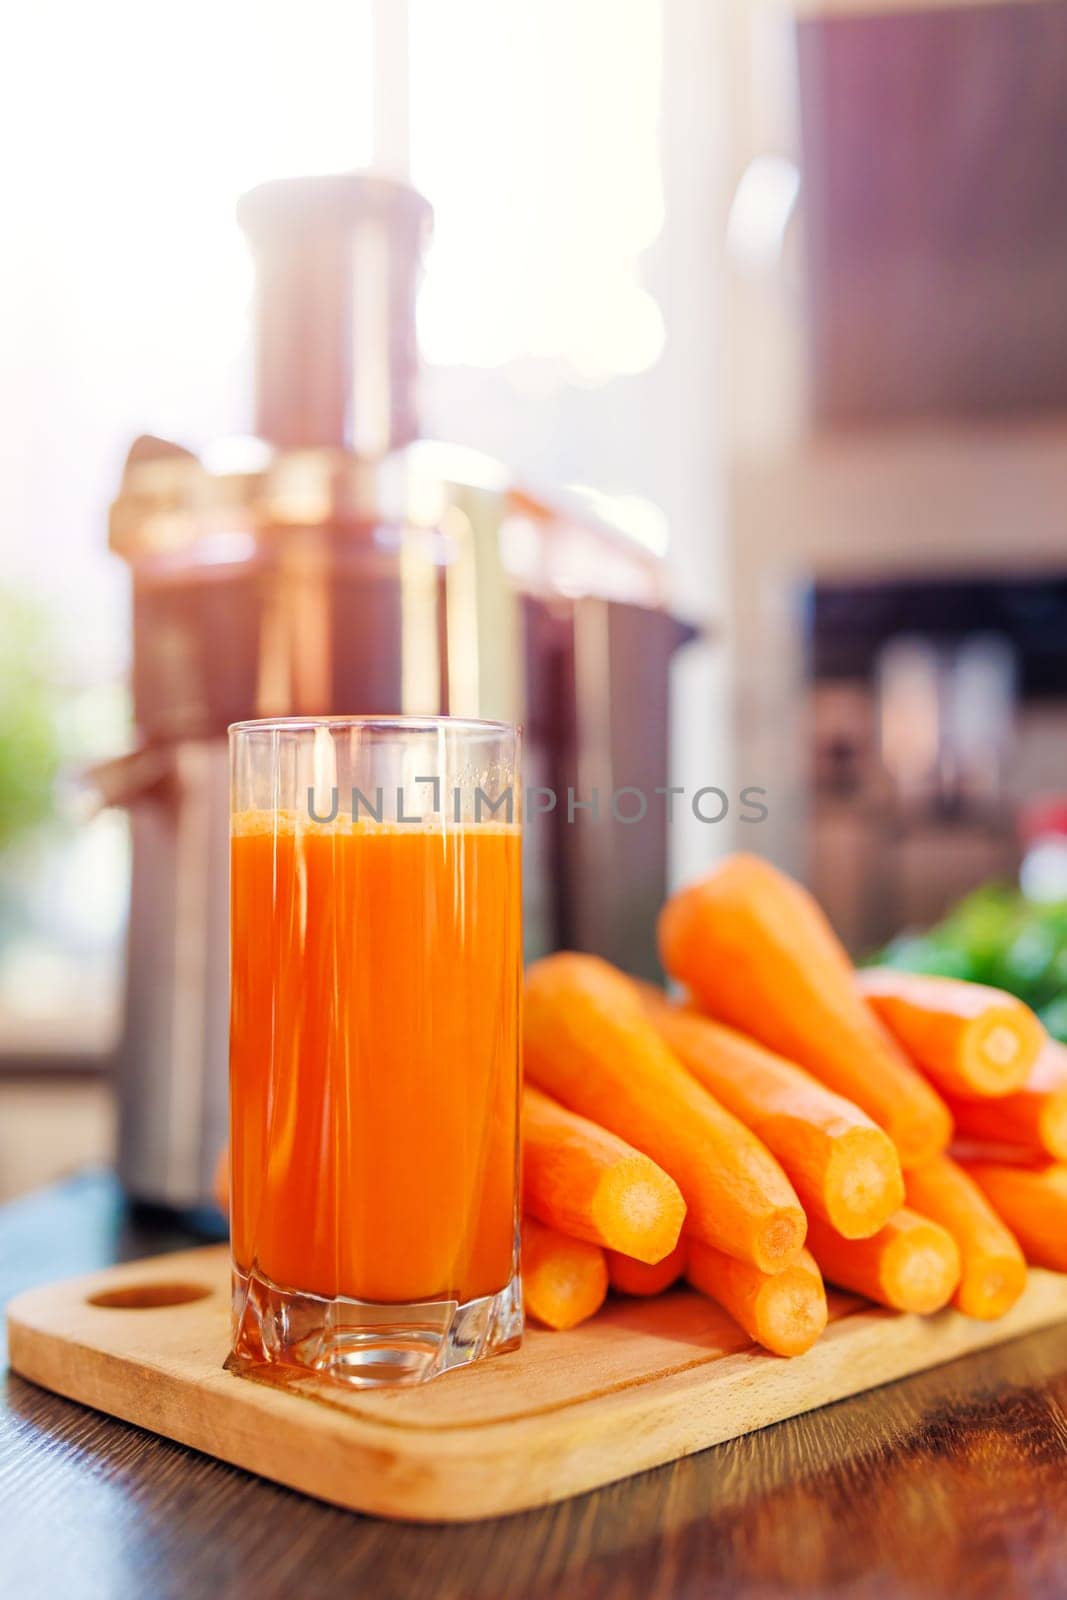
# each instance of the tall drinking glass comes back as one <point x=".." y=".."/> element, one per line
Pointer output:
<point x="374" y="1050"/>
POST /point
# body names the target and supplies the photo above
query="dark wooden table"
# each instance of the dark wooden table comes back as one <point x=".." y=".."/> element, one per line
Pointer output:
<point x="952" y="1483"/>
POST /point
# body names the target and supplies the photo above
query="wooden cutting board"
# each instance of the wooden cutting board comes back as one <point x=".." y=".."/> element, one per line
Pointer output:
<point x="643" y="1383"/>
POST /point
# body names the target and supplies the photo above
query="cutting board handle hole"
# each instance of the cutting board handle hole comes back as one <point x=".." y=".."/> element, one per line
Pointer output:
<point x="147" y="1296"/>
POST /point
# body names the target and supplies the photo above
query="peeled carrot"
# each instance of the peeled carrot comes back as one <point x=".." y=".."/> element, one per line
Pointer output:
<point x="993" y="1267"/>
<point x="634" y="1277"/>
<point x="564" y="1281"/>
<point x="589" y="1183"/>
<point x="911" y="1264"/>
<point x="842" y="1165"/>
<point x="1033" y="1118"/>
<point x="970" y="1039"/>
<point x="785" y="1312"/>
<point x="1033" y="1202"/>
<point x="589" y="1043"/>
<point x="756" y="952"/>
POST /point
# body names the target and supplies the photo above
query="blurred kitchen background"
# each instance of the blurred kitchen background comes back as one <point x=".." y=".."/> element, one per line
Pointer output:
<point x="735" y="453"/>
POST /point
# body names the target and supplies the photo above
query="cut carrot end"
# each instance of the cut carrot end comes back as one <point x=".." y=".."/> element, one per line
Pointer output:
<point x="912" y="1264"/>
<point x="564" y="1281"/>
<point x="628" y="1276"/>
<point x="993" y="1271"/>
<point x="590" y="1184"/>
<point x="971" y="1040"/>
<point x="785" y="1312"/>
<point x="920" y="1271"/>
<point x="997" y="1053"/>
<point x="864" y="1183"/>
<point x="1034" y="1118"/>
<point x="638" y="1211"/>
<point x="992" y="1288"/>
<point x="781" y="1239"/>
<point x="789" y="1314"/>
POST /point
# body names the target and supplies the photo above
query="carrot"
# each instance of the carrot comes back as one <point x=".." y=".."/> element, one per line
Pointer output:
<point x="1033" y="1202"/>
<point x="1033" y="1118"/>
<point x="911" y="1264"/>
<point x="634" y="1277"/>
<point x="785" y="1312"/>
<point x="755" y="950"/>
<point x="970" y="1039"/>
<point x="588" y="1183"/>
<point x="589" y="1043"/>
<point x="564" y="1281"/>
<point x="843" y="1167"/>
<point x="994" y="1268"/>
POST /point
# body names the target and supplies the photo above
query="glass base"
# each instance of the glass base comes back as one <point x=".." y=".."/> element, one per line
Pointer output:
<point x="366" y="1345"/>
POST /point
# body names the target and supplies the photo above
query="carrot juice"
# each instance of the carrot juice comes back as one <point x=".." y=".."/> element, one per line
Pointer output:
<point x="376" y="972"/>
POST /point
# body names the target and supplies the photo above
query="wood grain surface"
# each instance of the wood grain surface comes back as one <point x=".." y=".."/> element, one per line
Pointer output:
<point x="642" y="1383"/>
<point x="952" y="1483"/>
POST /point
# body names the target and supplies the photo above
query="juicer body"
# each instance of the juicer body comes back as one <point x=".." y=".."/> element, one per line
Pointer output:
<point x="337" y="564"/>
<point x="589" y="681"/>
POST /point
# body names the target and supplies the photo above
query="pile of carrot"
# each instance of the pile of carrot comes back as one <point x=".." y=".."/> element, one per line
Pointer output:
<point x="785" y="1123"/>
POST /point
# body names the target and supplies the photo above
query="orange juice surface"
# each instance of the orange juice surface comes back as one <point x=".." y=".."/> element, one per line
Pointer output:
<point x="374" y="1056"/>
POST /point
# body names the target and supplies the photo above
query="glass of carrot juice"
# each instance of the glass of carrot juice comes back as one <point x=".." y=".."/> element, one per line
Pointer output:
<point x="376" y="957"/>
